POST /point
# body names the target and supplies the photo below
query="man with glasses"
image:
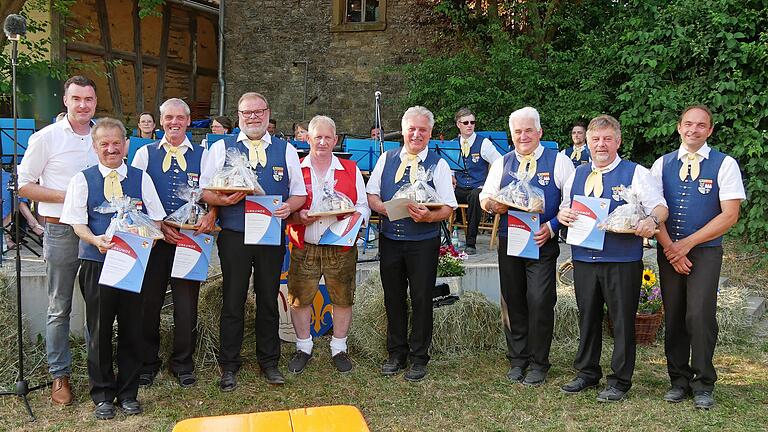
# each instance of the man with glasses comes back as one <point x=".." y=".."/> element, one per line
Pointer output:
<point x="475" y="158"/>
<point x="276" y="164"/>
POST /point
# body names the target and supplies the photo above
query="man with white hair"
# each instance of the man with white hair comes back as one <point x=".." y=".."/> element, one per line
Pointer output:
<point x="276" y="164"/>
<point x="173" y="163"/>
<point x="409" y="247"/>
<point x="528" y="286"/>
<point x="310" y="260"/>
<point x="612" y="275"/>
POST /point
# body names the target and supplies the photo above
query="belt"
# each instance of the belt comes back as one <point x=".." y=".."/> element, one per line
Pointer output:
<point x="53" y="220"/>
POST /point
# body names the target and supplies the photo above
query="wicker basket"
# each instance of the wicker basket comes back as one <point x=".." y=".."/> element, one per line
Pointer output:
<point x="646" y="327"/>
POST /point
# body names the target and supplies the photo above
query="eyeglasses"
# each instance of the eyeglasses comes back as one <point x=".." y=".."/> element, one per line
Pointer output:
<point x="252" y="113"/>
<point x="468" y="122"/>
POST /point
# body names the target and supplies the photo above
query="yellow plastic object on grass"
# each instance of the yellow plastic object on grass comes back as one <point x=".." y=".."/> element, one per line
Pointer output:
<point x="336" y="418"/>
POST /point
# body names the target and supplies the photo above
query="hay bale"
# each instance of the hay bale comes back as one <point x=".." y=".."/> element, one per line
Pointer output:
<point x="566" y="327"/>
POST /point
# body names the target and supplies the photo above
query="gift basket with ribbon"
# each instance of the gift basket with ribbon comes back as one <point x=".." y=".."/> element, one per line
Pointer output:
<point x="419" y="189"/>
<point x="128" y="218"/>
<point x="188" y="215"/>
<point x="624" y="218"/>
<point x="522" y="195"/>
<point x="236" y="176"/>
<point x="330" y="202"/>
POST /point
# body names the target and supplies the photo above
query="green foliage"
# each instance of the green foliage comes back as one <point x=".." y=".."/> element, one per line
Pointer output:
<point x="150" y="8"/>
<point x="642" y="62"/>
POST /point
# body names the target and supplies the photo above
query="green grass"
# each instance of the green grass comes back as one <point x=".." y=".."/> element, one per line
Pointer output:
<point x="459" y="394"/>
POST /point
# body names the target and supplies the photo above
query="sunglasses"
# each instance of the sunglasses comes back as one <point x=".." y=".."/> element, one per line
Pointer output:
<point x="468" y="122"/>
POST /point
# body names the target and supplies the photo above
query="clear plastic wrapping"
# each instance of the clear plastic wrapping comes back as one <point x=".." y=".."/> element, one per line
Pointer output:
<point x="522" y="195"/>
<point x="624" y="218"/>
<point x="236" y="175"/>
<point x="189" y="214"/>
<point x="420" y="190"/>
<point x="331" y="201"/>
<point x="128" y="218"/>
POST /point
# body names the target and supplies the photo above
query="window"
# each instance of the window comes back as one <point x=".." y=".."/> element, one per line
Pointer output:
<point x="359" y="15"/>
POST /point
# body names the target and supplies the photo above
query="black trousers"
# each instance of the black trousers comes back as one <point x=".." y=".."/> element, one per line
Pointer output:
<point x="690" y="327"/>
<point x="102" y="305"/>
<point x="528" y="297"/>
<point x="238" y="261"/>
<point x="618" y="286"/>
<point x="185" y="295"/>
<point x="471" y="197"/>
<point x="404" y="265"/>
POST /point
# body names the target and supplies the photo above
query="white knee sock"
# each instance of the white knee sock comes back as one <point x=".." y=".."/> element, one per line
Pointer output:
<point x="338" y="345"/>
<point x="304" y="345"/>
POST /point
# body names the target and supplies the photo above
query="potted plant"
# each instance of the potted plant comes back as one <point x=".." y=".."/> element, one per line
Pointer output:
<point x="450" y="268"/>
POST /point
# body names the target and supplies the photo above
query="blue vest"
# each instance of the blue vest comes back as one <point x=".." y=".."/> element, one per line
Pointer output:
<point x="273" y="178"/>
<point x="617" y="247"/>
<point x="405" y="229"/>
<point x="167" y="183"/>
<point x="475" y="167"/>
<point x="99" y="222"/>
<point x="544" y="180"/>
<point x="692" y="203"/>
<point x="583" y="160"/>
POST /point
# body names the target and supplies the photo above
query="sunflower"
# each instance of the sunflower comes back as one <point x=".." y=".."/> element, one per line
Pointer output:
<point x="649" y="277"/>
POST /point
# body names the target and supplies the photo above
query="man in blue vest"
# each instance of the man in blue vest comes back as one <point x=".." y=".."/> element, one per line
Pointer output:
<point x="528" y="286"/>
<point x="578" y="153"/>
<point x="172" y="163"/>
<point x="476" y="155"/>
<point x="87" y="190"/>
<point x="613" y="275"/>
<point x="704" y="190"/>
<point x="409" y="247"/>
<point x="276" y="164"/>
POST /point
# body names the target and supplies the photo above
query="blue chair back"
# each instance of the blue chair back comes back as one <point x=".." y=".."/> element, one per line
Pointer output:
<point x="550" y="144"/>
<point x="135" y="144"/>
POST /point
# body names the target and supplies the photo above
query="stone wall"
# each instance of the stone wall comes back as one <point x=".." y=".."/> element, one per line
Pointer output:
<point x="264" y="37"/>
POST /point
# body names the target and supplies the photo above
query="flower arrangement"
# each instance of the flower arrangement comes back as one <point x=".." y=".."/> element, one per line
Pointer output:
<point x="450" y="262"/>
<point x="650" y="293"/>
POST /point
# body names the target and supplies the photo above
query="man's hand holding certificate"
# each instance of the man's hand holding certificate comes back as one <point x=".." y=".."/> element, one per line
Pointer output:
<point x="582" y="219"/>
<point x="126" y="262"/>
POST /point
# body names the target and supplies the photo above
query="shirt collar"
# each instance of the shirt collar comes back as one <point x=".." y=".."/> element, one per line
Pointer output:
<point x="610" y="167"/>
<point x="68" y="127"/>
<point x="579" y="147"/>
<point x="335" y="164"/>
<point x="703" y="151"/>
<point x="242" y="137"/>
<point x="186" y="143"/>
<point x="422" y="154"/>
<point x="536" y="152"/>
<point x="471" y="138"/>
<point x="122" y="170"/>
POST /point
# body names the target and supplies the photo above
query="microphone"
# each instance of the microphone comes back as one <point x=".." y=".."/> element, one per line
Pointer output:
<point x="15" y="26"/>
<point x="377" y="94"/>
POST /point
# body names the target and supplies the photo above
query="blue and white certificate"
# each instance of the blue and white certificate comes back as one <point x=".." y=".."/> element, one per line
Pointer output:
<point x="261" y="225"/>
<point x="583" y="231"/>
<point x="193" y="253"/>
<point x="521" y="227"/>
<point x="126" y="263"/>
<point x="343" y="232"/>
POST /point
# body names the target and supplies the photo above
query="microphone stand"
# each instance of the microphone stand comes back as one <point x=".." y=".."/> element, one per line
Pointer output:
<point x="22" y="385"/>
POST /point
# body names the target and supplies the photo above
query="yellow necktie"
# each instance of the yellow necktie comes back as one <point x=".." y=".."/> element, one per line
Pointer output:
<point x="465" y="148"/>
<point x="527" y="168"/>
<point x="576" y="155"/>
<point x="690" y="160"/>
<point x="594" y="183"/>
<point x="112" y="187"/>
<point x="174" y="152"/>
<point x="409" y="159"/>
<point x="256" y="153"/>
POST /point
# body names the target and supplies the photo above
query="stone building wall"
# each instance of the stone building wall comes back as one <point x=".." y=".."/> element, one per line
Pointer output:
<point x="264" y="37"/>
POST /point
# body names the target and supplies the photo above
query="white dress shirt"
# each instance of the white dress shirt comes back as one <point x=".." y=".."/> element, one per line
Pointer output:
<point x="488" y="151"/>
<point x="54" y="155"/>
<point x="728" y="178"/>
<point x="217" y="156"/>
<point x="315" y="230"/>
<point x="76" y="203"/>
<point x="441" y="178"/>
<point x="141" y="158"/>
<point x="643" y="183"/>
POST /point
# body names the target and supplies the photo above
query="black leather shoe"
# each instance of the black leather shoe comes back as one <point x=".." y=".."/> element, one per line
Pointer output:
<point x="515" y="374"/>
<point x="676" y="394"/>
<point x="417" y="372"/>
<point x="228" y="381"/>
<point x="392" y="366"/>
<point x="299" y="361"/>
<point x="342" y="362"/>
<point x="130" y="407"/>
<point x="273" y="376"/>
<point x="535" y="378"/>
<point x="577" y="385"/>
<point x="703" y="400"/>
<point x="470" y="250"/>
<point x="146" y="379"/>
<point x="611" y="394"/>
<point x="104" y="411"/>
<point x="186" y="379"/>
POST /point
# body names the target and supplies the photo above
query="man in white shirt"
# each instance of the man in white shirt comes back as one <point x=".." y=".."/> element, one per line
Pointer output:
<point x="55" y="154"/>
<point x="87" y="190"/>
<point x="410" y="247"/>
<point x="310" y="260"/>
<point x="475" y="157"/>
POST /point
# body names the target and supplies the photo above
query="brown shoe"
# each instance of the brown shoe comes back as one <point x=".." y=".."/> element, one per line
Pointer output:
<point x="61" y="393"/>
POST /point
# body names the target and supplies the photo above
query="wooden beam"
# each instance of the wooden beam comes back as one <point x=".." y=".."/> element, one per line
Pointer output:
<point x="138" y="63"/>
<point x="193" y="54"/>
<point x="163" y="66"/>
<point x="106" y="41"/>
